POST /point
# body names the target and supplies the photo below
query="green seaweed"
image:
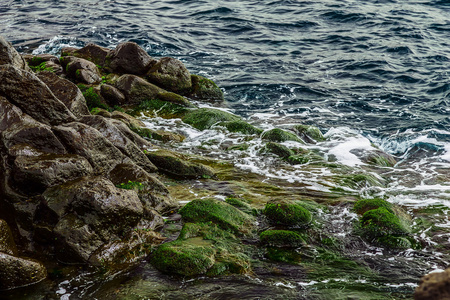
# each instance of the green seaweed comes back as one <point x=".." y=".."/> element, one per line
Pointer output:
<point x="282" y="238"/>
<point x="289" y="213"/>
<point x="279" y="135"/>
<point x="205" y="118"/>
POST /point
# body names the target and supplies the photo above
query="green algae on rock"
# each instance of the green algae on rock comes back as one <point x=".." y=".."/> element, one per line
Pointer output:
<point x="218" y="212"/>
<point x="205" y="89"/>
<point x="380" y="222"/>
<point x="280" y="135"/>
<point x="281" y="238"/>
<point x="308" y="133"/>
<point x="364" y="205"/>
<point x="241" y="126"/>
<point x="289" y="213"/>
<point x="205" y="118"/>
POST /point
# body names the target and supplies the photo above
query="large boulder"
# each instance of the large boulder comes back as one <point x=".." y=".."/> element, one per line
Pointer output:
<point x="81" y="70"/>
<point x="152" y="192"/>
<point x="88" y="142"/>
<point x="170" y="74"/>
<point x="91" y="52"/>
<point x="66" y="91"/>
<point x="119" y="140"/>
<point x="112" y="95"/>
<point x="434" y="286"/>
<point x="86" y="214"/>
<point x="129" y="58"/>
<point x="28" y="92"/>
<point x="137" y="89"/>
<point x="34" y="174"/>
<point x="17" y="272"/>
<point x="205" y="89"/>
<point x="9" y="55"/>
<point x="18" y="128"/>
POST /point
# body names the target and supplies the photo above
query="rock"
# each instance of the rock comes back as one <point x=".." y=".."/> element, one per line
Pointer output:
<point x="101" y="112"/>
<point x="380" y="158"/>
<point x="175" y="99"/>
<point x="128" y="120"/>
<point x="91" y="52"/>
<point x="289" y="213"/>
<point x="183" y="258"/>
<point x="205" y="118"/>
<point x="159" y="135"/>
<point x="34" y="174"/>
<point x="81" y="70"/>
<point x="119" y="140"/>
<point x="364" y="205"/>
<point x="205" y="89"/>
<point x="434" y="286"/>
<point x="129" y="58"/>
<point x="308" y="134"/>
<point x="281" y="238"/>
<point x="137" y="89"/>
<point x="170" y="74"/>
<point x="112" y="95"/>
<point x="18" y="128"/>
<point x="7" y="244"/>
<point x="17" y="272"/>
<point x="278" y="135"/>
<point x="9" y="55"/>
<point x="28" y="92"/>
<point x="176" y="165"/>
<point x="218" y="212"/>
<point x="36" y="60"/>
<point x="89" y="212"/>
<point x="152" y="193"/>
<point x="67" y="92"/>
<point x="141" y="143"/>
<point x="88" y="142"/>
<point x="279" y="150"/>
<point x="381" y="222"/>
<point x="242" y="127"/>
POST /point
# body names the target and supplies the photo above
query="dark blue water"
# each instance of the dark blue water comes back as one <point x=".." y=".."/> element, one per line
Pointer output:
<point x="380" y="66"/>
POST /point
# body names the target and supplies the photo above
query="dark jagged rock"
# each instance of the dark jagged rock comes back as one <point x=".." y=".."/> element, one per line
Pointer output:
<point x="153" y="194"/>
<point x="81" y="70"/>
<point x="112" y="95"/>
<point x="88" y="213"/>
<point x="88" y="142"/>
<point x="137" y="89"/>
<point x="170" y="74"/>
<point x="434" y="286"/>
<point x="33" y="174"/>
<point x="28" y="92"/>
<point x="119" y="140"/>
<point x="129" y="58"/>
<point x="66" y="91"/>
<point x="17" y="272"/>
<point x="9" y="55"/>
<point x="205" y="89"/>
<point x="17" y="128"/>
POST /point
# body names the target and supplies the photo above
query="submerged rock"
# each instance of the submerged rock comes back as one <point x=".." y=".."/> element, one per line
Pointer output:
<point x="308" y="134"/>
<point x="205" y="118"/>
<point x="281" y="238"/>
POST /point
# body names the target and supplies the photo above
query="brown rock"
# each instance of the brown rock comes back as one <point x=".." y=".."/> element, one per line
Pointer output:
<point x="9" y="55"/>
<point x="170" y="74"/>
<point x="129" y="58"/>
<point x="81" y="70"/>
<point x="112" y="95"/>
<point x="16" y="272"/>
<point x="137" y="89"/>
<point x="434" y="286"/>
<point x="7" y="244"/>
<point x="92" y="52"/>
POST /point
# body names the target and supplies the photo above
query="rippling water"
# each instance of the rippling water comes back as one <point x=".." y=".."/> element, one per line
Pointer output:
<point x="362" y="71"/>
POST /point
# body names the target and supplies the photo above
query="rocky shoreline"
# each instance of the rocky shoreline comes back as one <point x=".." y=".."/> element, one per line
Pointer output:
<point x="84" y="182"/>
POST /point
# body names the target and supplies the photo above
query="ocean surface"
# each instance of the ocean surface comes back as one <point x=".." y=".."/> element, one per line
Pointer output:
<point x="367" y="73"/>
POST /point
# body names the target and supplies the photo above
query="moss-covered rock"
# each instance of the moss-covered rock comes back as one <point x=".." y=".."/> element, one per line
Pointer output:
<point x="218" y="212"/>
<point x="93" y="99"/>
<point x="176" y="165"/>
<point x="205" y="118"/>
<point x="359" y="180"/>
<point x="279" y="150"/>
<point x="395" y="242"/>
<point x="380" y="158"/>
<point x="308" y="133"/>
<point x="175" y="99"/>
<point x="281" y="238"/>
<point x="364" y="205"/>
<point x="159" y="135"/>
<point x="289" y="213"/>
<point x="170" y="74"/>
<point x="183" y="258"/>
<point x="285" y="255"/>
<point x="205" y="89"/>
<point x="279" y="135"/>
<point x="242" y="205"/>
<point x="241" y="126"/>
<point x="381" y="222"/>
<point x="162" y="108"/>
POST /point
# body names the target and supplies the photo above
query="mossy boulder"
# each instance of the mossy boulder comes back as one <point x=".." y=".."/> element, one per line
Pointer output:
<point x="279" y="150"/>
<point x="359" y="180"/>
<point x="380" y="158"/>
<point x="278" y="135"/>
<point x="381" y="222"/>
<point x="308" y="133"/>
<point x="92" y="97"/>
<point x="163" y="109"/>
<point x="205" y="89"/>
<point x="288" y="213"/>
<point x="242" y="205"/>
<point x="159" y="135"/>
<point x="364" y="205"/>
<point x="136" y="89"/>
<point x="81" y="70"/>
<point x="218" y="212"/>
<point x="281" y="238"/>
<point x="175" y="99"/>
<point x="170" y="74"/>
<point x="241" y="126"/>
<point x="183" y="258"/>
<point x="177" y="165"/>
<point x="205" y="118"/>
